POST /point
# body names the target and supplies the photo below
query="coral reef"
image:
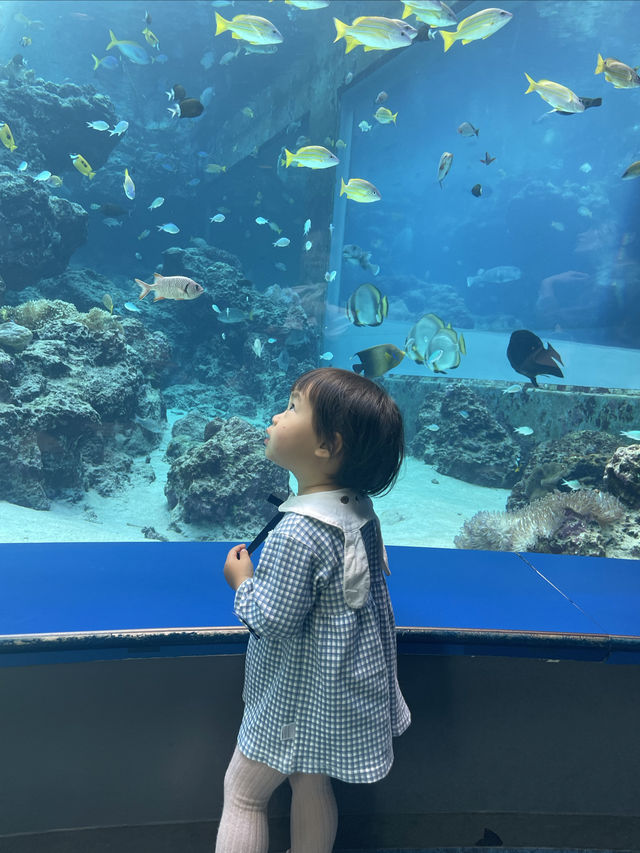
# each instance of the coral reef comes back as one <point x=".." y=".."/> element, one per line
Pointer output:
<point x="622" y="474"/>
<point x="49" y="121"/>
<point x="578" y="458"/>
<point x="73" y="401"/>
<point x="27" y="252"/>
<point x="468" y="442"/>
<point x="225" y="480"/>
<point x="14" y="336"/>
<point x="81" y="286"/>
<point x="561" y="522"/>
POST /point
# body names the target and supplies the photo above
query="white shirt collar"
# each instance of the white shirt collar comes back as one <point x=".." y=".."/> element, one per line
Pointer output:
<point x="350" y="511"/>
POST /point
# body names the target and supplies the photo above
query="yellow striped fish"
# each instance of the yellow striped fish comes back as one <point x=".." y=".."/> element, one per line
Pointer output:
<point x="479" y="26"/>
<point x="375" y="33"/>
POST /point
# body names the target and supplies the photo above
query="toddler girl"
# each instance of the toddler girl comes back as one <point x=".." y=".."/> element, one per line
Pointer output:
<point x="321" y="694"/>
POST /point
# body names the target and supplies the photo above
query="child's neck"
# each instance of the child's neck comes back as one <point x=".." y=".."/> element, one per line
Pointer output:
<point x="321" y="485"/>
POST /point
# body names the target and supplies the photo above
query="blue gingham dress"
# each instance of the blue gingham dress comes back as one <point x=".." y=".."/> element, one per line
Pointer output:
<point x="321" y="693"/>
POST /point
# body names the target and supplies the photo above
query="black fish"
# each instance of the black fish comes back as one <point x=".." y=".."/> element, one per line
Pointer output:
<point x="528" y="356"/>
<point x="190" y="108"/>
<point x="588" y="102"/>
<point x="489" y="839"/>
<point x="178" y="92"/>
<point x="477" y="190"/>
<point x="109" y="209"/>
<point x="486" y="160"/>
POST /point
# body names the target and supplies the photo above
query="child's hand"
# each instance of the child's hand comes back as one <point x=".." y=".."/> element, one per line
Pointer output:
<point x="238" y="566"/>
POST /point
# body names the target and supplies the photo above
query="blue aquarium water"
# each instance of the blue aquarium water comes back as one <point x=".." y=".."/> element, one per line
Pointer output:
<point x="458" y="221"/>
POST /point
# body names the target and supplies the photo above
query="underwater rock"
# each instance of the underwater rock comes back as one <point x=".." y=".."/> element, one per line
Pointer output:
<point x="13" y="336"/>
<point x="203" y="263"/>
<point x="226" y="479"/>
<point x="622" y="474"/>
<point x="561" y="522"/>
<point x="82" y="286"/>
<point x="49" y="122"/>
<point x="186" y="432"/>
<point x="38" y="232"/>
<point x="578" y="458"/>
<point x="21" y="474"/>
<point x="470" y="443"/>
<point x="77" y="403"/>
<point x="7" y="365"/>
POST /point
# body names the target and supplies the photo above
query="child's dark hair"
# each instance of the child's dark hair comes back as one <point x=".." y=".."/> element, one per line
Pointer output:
<point x="368" y="420"/>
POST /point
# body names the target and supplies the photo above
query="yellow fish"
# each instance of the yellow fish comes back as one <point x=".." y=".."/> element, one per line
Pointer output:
<point x="556" y="94"/>
<point x="54" y="181"/>
<point x="479" y="26"/>
<point x="82" y="166"/>
<point x="152" y="39"/>
<point x="385" y="116"/>
<point x="377" y="360"/>
<point x="312" y="157"/>
<point x="6" y="137"/>
<point x="432" y="12"/>
<point x="214" y="168"/>
<point x="248" y="112"/>
<point x="620" y="75"/>
<point x="128" y="186"/>
<point x="375" y="33"/>
<point x="107" y="301"/>
<point x="360" y="190"/>
<point x="250" y="28"/>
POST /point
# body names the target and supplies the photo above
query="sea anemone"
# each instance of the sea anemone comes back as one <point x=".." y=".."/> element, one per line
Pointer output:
<point x="520" y="530"/>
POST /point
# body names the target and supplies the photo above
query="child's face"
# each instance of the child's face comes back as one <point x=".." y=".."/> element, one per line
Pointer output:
<point x="292" y="442"/>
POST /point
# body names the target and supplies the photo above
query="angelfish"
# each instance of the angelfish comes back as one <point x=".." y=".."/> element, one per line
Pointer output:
<point x="378" y="359"/>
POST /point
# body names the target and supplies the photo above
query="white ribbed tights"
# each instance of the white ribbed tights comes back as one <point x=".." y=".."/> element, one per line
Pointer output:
<point x="248" y="786"/>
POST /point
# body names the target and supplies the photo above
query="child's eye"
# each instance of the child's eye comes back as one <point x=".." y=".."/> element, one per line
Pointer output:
<point x="290" y="406"/>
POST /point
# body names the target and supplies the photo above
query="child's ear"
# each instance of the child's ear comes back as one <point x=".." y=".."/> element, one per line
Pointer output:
<point x="335" y="449"/>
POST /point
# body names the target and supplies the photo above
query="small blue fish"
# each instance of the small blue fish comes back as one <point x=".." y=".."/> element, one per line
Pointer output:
<point x="131" y="307"/>
<point x="109" y="62"/>
<point x="512" y="389"/>
<point x="326" y="356"/>
<point x="169" y="228"/>
<point x="22" y="166"/>
<point x="43" y="176"/>
<point x="523" y="430"/>
<point x="119" y="128"/>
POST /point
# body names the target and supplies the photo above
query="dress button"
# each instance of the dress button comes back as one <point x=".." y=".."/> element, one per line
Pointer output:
<point x="344" y="499"/>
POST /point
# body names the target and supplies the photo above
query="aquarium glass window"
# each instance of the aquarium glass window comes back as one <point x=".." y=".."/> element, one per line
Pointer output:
<point x="201" y="200"/>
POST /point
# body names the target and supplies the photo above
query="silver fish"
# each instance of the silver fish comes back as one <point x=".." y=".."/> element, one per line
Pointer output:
<point x="170" y="287"/>
<point x="356" y="256"/>
<point x="495" y="275"/>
